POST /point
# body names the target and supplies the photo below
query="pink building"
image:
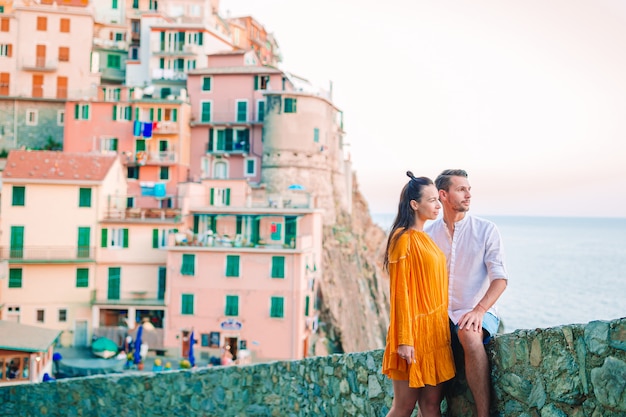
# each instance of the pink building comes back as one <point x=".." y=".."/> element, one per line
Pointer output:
<point x="227" y="112"/>
<point x="245" y="275"/>
<point x="151" y="135"/>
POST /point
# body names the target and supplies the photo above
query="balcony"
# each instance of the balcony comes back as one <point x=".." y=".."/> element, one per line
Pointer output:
<point x="110" y="45"/>
<point x="113" y="74"/>
<point x="137" y="214"/>
<point x="39" y="64"/>
<point x="165" y="128"/>
<point x="168" y="74"/>
<point x="227" y="119"/>
<point x="133" y="298"/>
<point x="48" y="254"/>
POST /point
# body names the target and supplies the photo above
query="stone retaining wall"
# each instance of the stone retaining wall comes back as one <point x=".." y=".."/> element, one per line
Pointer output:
<point x="572" y="370"/>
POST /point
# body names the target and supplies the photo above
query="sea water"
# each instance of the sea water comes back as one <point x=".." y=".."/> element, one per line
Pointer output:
<point x="561" y="270"/>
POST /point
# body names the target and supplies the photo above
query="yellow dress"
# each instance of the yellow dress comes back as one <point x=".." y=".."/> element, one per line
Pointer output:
<point x="419" y="312"/>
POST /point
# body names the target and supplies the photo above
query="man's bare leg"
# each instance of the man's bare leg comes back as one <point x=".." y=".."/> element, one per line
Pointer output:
<point x="476" y="369"/>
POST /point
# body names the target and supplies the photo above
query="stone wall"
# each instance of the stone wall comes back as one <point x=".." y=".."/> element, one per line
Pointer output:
<point x="572" y="370"/>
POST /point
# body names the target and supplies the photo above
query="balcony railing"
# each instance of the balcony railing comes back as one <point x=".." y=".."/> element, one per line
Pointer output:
<point x="227" y="118"/>
<point x="144" y="214"/>
<point x="166" y="127"/>
<point x="113" y="74"/>
<point x="138" y="297"/>
<point x="168" y="74"/>
<point x="109" y="44"/>
<point x="47" y="253"/>
<point x="39" y="64"/>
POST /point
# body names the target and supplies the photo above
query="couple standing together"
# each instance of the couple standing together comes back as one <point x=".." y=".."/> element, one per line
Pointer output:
<point x="445" y="279"/>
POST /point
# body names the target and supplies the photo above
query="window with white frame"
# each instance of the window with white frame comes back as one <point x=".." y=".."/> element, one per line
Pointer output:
<point x="242" y="110"/>
<point x="220" y="197"/>
<point x="31" y="117"/>
<point x="206" y="83"/>
<point x="122" y="113"/>
<point x="114" y="238"/>
<point x="112" y="94"/>
<point x="205" y="111"/>
<point x="220" y="170"/>
<point x="81" y="112"/>
<point x="250" y="167"/>
<point x="60" y="117"/>
<point x="108" y="144"/>
<point x="5" y="50"/>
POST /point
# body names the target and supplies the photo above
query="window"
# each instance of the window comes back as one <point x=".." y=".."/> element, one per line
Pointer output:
<point x="81" y="112"/>
<point x="115" y="278"/>
<point x="19" y="196"/>
<point x="5" y="82"/>
<point x="114" y="4"/>
<point x="229" y="140"/>
<point x="170" y="115"/>
<point x="278" y="267"/>
<point x="277" y="307"/>
<point x="206" y="83"/>
<point x="205" y="115"/>
<point x="275" y="230"/>
<point x="61" y="87"/>
<point x="15" y="278"/>
<point x="60" y="117"/>
<point x="113" y="61"/>
<point x="307" y="305"/>
<point x="164" y="173"/>
<point x="114" y="238"/>
<point x="122" y="113"/>
<point x="42" y="23"/>
<point x="242" y="110"/>
<point x="316" y="135"/>
<point x="159" y="237"/>
<point x="186" y="304"/>
<point x="232" y="265"/>
<point x="84" y="240"/>
<point x="84" y="197"/>
<point x="111" y="94"/>
<point x="62" y="315"/>
<point x="188" y="266"/>
<point x="17" y="242"/>
<point x="4" y="24"/>
<point x="6" y="50"/>
<point x="261" y="82"/>
<point x="290" y="105"/>
<point x="40" y="316"/>
<point x="140" y="145"/>
<point x="250" y="167"/>
<point x="220" y="197"/>
<point x="132" y="172"/>
<point x="260" y="105"/>
<point x="64" y="54"/>
<point x="135" y="4"/>
<point x="108" y="144"/>
<point x="232" y="305"/>
<point x="64" y="25"/>
<point x="31" y="117"/>
<point x="82" y="277"/>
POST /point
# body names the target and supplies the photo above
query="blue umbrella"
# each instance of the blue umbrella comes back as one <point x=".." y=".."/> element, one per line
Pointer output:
<point x="296" y="187"/>
<point x="137" y="354"/>
<point x="192" y="359"/>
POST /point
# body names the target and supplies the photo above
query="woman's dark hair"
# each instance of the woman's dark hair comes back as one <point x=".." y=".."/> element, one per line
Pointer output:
<point x="405" y="218"/>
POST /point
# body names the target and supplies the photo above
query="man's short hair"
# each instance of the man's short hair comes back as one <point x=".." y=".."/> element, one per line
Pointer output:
<point x="443" y="180"/>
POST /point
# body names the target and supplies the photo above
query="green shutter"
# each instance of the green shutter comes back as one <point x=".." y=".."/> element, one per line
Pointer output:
<point x="188" y="264"/>
<point x="15" y="278"/>
<point x="155" y="238"/>
<point x="277" y="307"/>
<point x="151" y="115"/>
<point x="162" y="282"/>
<point x="232" y="305"/>
<point x="127" y="113"/>
<point x="114" y="112"/>
<point x="136" y="113"/>
<point x="82" y="277"/>
<point x="278" y="267"/>
<point x="187" y="301"/>
<point x="125" y="238"/>
<point x="103" y="238"/>
<point x="84" y="197"/>
<point x="307" y="302"/>
<point x="17" y="242"/>
<point x="174" y="115"/>
<point x="19" y="196"/>
<point x="227" y="202"/>
<point x="84" y="238"/>
<point x="232" y="265"/>
<point x="76" y="111"/>
<point x="212" y="199"/>
<point x="239" y="224"/>
<point x="113" y="290"/>
<point x="256" y="82"/>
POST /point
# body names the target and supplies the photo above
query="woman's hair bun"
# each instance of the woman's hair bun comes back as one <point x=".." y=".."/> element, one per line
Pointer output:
<point x="410" y="175"/>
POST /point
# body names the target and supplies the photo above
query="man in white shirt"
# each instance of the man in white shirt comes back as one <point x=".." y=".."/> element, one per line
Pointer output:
<point x="477" y="277"/>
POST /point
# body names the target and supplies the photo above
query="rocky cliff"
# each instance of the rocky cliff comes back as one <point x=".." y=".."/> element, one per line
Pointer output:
<point x="354" y="289"/>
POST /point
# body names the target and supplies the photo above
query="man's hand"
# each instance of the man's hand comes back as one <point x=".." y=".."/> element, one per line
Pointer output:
<point x="473" y="320"/>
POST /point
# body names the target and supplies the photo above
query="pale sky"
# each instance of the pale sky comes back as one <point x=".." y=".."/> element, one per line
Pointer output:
<point x="528" y="96"/>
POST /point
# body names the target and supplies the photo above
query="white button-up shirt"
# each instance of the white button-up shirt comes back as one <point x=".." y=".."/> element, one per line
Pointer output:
<point x="475" y="257"/>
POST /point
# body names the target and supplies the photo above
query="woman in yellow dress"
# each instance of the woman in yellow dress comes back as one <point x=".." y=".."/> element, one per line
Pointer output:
<point x="418" y="357"/>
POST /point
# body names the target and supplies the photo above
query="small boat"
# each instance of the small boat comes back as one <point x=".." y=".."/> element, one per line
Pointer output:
<point x="104" y="348"/>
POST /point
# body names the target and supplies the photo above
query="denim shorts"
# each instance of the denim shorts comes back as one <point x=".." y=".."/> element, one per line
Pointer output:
<point x="490" y="325"/>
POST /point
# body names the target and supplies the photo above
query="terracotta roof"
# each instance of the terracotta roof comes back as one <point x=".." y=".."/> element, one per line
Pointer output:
<point x="15" y="336"/>
<point x="57" y="166"/>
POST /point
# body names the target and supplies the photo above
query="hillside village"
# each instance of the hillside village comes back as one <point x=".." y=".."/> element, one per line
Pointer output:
<point x="161" y="170"/>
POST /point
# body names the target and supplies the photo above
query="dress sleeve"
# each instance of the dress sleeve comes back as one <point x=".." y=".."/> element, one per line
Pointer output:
<point x="401" y="307"/>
